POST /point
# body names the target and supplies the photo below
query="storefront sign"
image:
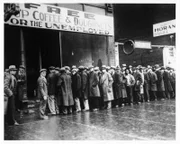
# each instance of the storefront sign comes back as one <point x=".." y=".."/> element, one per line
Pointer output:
<point x="169" y="56"/>
<point x="142" y="44"/>
<point x="57" y="18"/>
<point x="164" y="28"/>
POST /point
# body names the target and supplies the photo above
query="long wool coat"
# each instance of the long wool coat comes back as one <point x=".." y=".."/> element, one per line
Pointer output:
<point x="168" y="86"/>
<point x="160" y="81"/>
<point x="76" y="85"/>
<point x="93" y="85"/>
<point x="153" y="80"/>
<point x="51" y="81"/>
<point x="106" y="81"/>
<point x="84" y="85"/>
<point x="65" y="97"/>
<point x="120" y="87"/>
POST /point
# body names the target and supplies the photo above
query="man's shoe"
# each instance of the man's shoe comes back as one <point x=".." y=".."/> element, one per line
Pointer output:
<point x="16" y="123"/>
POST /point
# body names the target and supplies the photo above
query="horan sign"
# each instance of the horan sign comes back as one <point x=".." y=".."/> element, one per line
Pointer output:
<point x="164" y="28"/>
<point x="57" y="18"/>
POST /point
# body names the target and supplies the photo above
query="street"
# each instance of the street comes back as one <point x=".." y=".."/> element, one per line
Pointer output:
<point x="147" y="121"/>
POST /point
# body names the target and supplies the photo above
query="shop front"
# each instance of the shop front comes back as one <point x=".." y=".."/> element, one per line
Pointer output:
<point x="44" y="35"/>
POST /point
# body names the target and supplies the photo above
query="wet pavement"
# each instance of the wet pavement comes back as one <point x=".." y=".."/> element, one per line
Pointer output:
<point x="147" y="121"/>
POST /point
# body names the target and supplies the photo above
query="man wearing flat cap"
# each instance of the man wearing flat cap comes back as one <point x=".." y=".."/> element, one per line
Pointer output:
<point x="65" y="97"/>
<point x="10" y="85"/>
<point x="51" y="82"/>
<point x="42" y="91"/>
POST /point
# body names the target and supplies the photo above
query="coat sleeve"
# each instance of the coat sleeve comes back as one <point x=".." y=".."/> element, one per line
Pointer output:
<point x="96" y="79"/>
<point x="78" y="82"/>
<point x="7" y="90"/>
<point x="84" y="81"/>
<point x="40" y="84"/>
<point x="110" y="79"/>
<point x="155" y="77"/>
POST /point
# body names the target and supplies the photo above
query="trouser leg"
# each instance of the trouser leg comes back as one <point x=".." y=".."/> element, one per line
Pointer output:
<point x="56" y="106"/>
<point x="86" y="104"/>
<point x="11" y="111"/>
<point x="51" y="104"/>
<point x="77" y="104"/>
<point x="42" y="108"/>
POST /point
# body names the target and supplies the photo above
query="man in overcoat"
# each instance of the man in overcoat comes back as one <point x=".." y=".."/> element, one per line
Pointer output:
<point x="51" y="82"/>
<point x="120" y="87"/>
<point x="65" y="88"/>
<point x="160" y="82"/>
<point x="138" y="83"/>
<point x="168" y="87"/>
<point x="10" y="90"/>
<point x="146" y="85"/>
<point x="76" y="89"/>
<point x="106" y="81"/>
<point x="42" y="91"/>
<point x="84" y="88"/>
<point x="153" y="85"/>
<point x="94" y="93"/>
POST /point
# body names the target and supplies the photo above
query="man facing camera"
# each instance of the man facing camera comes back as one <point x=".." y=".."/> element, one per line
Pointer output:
<point x="42" y="93"/>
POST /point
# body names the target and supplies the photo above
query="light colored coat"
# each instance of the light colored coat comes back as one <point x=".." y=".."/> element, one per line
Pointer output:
<point x="106" y="82"/>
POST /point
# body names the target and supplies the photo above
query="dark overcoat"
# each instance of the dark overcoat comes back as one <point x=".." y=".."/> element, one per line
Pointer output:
<point x="167" y="83"/>
<point x="153" y="80"/>
<point x="93" y="85"/>
<point x="21" y="87"/>
<point x="76" y="85"/>
<point x="160" y="81"/>
<point x="65" y="97"/>
<point x="51" y="81"/>
<point x="120" y="85"/>
<point x="84" y="85"/>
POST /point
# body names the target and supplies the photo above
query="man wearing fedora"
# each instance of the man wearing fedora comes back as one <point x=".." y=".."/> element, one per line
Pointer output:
<point x="42" y="93"/>
<point x="10" y="85"/>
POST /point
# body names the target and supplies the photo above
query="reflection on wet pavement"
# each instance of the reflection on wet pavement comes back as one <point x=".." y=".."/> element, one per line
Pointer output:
<point x="153" y="121"/>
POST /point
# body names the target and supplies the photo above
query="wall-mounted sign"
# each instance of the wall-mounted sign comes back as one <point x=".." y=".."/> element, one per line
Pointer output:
<point x="116" y="51"/>
<point x="57" y="18"/>
<point x="164" y="28"/>
<point x="142" y="44"/>
<point x="169" y="56"/>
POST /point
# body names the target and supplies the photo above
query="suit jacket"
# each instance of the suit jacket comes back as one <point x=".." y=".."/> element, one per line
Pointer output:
<point x="10" y="85"/>
<point x="42" y="87"/>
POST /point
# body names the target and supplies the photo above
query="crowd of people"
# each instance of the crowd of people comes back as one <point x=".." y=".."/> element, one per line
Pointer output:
<point x="78" y="89"/>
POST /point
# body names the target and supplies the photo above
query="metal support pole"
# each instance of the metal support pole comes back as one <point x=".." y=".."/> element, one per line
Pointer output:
<point x="60" y="46"/>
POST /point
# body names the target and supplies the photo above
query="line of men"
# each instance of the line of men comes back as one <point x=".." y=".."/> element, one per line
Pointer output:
<point x="81" y="89"/>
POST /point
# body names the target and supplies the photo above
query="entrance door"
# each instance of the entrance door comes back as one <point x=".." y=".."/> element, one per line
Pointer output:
<point x="42" y="51"/>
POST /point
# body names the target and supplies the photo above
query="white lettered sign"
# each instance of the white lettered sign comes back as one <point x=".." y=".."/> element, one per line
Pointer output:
<point x="57" y="18"/>
<point x="164" y="28"/>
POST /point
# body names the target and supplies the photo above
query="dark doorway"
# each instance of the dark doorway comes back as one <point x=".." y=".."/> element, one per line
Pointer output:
<point x="42" y="51"/>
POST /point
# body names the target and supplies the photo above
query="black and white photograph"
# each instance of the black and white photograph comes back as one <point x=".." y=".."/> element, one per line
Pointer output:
<point x="89" y="71"/>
